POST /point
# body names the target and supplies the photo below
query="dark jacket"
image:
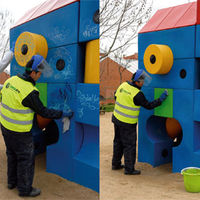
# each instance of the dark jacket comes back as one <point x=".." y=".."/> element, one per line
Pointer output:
<point x="33" y="101"/>
<point x="139" y="100"/>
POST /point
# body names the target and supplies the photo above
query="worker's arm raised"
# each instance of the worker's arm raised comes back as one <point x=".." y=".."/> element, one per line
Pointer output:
<point x="140" y="100"/>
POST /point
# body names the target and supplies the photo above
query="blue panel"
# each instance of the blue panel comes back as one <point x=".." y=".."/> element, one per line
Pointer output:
<point x="89" y="30"/>
<point x="183" y="155"/>
<point x="183" y="105"/>
<point x="73" y="72"/>
<point x="183" y="101"/>
<point x="59" y="27"/>
<point x="198" y="41"/>
<point x="197" y="105"/>
<point x="15" y="68"/>
<point x="78" y="138"/>
<point x="180" y="40"/>
<point x="145" y="146"/>
<point x="196" y="136"/>
<point x="158" y="136"/>
<point x="86" y="161"/>
<point x="61" y="96"/>
<point x="59" y="155"/>
<point x="158" y="145"/>
<point x="153" y="140"/>
<point x="87" y="110"/>
<point x="173" y="79"/>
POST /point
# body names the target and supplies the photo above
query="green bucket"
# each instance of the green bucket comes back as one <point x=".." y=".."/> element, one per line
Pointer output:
<point x="191" y="177"/>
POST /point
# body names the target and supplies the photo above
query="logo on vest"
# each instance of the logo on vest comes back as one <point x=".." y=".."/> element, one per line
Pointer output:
<point x="9" y="86"/>
<point x="124" y="91"/>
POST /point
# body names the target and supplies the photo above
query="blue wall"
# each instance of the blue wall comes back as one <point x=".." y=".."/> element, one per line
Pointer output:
<point x="75" y="156"/>
<point x="153" y="139"/>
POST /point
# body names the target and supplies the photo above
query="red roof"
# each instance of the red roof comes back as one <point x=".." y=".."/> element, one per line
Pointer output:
<point x="42" y="9"/>
<point x="173" y="17"/>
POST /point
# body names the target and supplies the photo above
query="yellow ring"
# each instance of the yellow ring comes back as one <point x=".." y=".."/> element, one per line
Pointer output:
<point x="158" y="59"/>
<point x="35" y="44"/>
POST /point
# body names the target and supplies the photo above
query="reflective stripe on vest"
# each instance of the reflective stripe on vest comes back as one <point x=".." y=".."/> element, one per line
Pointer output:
<point x="16" y="110"/>
<point x="17" y="121"/>
<point x="125" y="109"/>
<point x="15" y="116"/>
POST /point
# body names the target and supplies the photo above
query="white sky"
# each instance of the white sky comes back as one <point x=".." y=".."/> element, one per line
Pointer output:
<point x="158" y="4"/>
<point x="19" y="7"/>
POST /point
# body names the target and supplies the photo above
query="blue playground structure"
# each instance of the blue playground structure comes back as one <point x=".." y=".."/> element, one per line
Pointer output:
<point x="169" y="50"/>
<point x="69" y="29"/>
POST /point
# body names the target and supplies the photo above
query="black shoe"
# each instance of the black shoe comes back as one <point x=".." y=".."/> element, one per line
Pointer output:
<point x="117" y="167"/>
<point x="134" y="172"/>
<point x="11" y="186"/>
<point x="34" y="192"/>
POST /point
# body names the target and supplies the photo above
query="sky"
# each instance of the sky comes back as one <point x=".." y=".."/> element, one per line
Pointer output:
<point x="19" y="7"/>
<point x="158" y="4"/>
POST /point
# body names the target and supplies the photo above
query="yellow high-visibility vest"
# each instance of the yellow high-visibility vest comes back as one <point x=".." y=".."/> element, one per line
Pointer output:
<point x="15" y="116"/>
<point x="125" y="110"/>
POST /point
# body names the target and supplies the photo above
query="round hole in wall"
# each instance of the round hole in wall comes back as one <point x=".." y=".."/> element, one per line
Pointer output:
<point x="177" y="140"/>
<point x="183" y="73"/>
<point x="164" y="153"/>
<point x="96" y="17"/>
<point x="60" y="64"/>
<point x="51" y="133"/>
<point x="152" y="59"/>
<point x="24" y="49"/>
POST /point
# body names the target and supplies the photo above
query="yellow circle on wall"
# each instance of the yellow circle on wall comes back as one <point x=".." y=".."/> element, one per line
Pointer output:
<point x="158" y="59"/>
<point x="29" y="44"/>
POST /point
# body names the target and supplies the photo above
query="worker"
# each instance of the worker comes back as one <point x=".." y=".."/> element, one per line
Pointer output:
<point x="20" y="100"/>
<point x="129" y="98"/>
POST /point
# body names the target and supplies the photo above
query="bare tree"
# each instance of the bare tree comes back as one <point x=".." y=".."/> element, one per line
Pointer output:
<point x="120" y="21"/>
<point x="124" y="64"/>
<point x="6" y="20"/>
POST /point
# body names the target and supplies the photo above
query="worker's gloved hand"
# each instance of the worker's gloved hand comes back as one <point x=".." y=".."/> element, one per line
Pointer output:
<point x="66" y="119"/>
<point x="163" y="96"/>
<point x="68" y="114"/>
<point x="13" y="47"/>
<point x="66" y="124"/>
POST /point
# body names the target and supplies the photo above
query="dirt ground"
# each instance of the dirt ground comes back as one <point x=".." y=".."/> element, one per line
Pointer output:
<point x="52" y="186"/>
<point x="154" y="183"/>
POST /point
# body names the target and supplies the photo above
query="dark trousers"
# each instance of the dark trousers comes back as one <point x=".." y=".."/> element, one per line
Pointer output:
<point x="20" y="159"/>
<point x="124" y="144"/>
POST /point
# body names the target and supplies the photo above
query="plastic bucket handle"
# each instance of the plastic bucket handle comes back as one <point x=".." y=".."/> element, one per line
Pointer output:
<point x="190" y="168"/>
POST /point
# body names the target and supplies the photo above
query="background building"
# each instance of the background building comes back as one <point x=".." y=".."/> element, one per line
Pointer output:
<point x="113" y="73"/>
